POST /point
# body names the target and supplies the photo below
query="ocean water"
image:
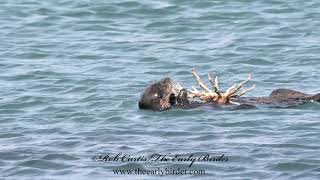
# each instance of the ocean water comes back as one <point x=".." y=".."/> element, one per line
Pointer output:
<point x="71" y="73"/>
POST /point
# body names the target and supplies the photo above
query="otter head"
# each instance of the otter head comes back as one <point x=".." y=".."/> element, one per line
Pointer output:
<point x="158" y="96"/>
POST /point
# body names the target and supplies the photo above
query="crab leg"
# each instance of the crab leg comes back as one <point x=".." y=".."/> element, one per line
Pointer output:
<point x="179" y="87"/>
<point x="247" y="90"/>
<point x="201" y="84"/>
<point x="215" y="84"/>
<point x="195" y="89"/>
<point x="211" y="80"/>
<point x="246" y="81"/>
<point x="235" y="103"/>
<point x="231" y="90"/>
<point x="193" y="93"/>
<point x="202" y="95"/>
<point x="235" y="88"/>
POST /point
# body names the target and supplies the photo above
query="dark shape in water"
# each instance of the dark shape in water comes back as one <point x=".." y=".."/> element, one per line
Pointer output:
<point x="162" y="95"/>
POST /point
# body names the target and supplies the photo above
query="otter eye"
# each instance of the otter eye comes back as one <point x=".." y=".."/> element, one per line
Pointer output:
<point x="158" y="95"/>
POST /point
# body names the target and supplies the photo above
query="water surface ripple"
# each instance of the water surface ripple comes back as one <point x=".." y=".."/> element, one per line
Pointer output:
<point x="71" y="73"/>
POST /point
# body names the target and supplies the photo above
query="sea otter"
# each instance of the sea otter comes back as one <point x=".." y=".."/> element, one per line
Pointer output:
<point x="163" y="95"/>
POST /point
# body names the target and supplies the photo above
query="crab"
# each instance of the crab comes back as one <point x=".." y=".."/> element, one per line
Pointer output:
<point x="215" y="95"/>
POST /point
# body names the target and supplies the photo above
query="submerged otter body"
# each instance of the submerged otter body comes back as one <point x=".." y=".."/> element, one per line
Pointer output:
<point x="161" y="95"/>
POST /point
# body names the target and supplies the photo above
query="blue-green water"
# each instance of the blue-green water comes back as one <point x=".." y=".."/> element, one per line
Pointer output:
<point x="71" y="73"/>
